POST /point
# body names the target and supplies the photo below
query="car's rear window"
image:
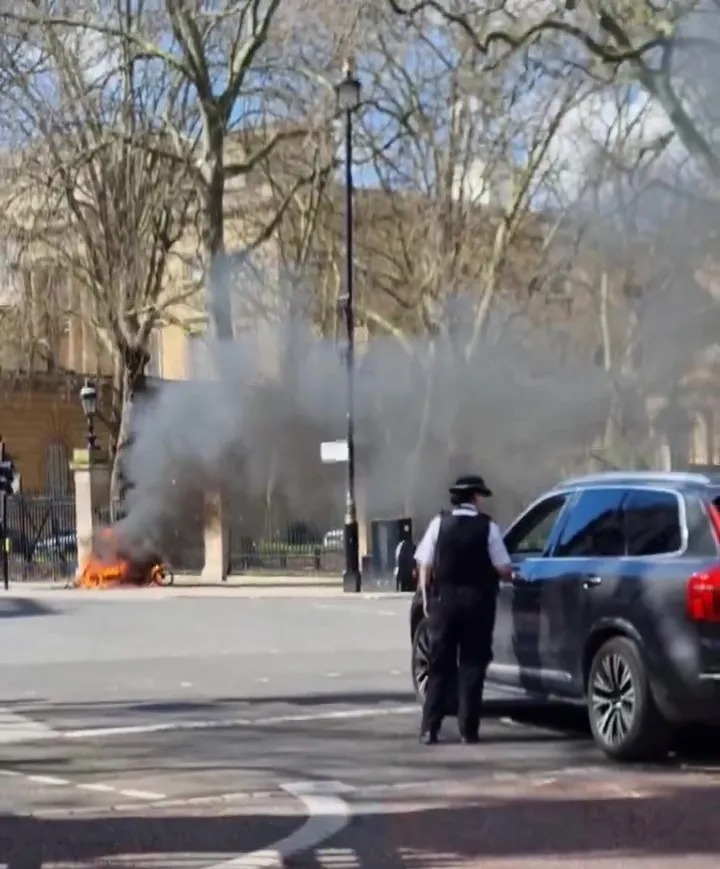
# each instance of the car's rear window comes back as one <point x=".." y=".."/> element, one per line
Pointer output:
<point x="701" y="538"/>
<point x="652" y="522"/>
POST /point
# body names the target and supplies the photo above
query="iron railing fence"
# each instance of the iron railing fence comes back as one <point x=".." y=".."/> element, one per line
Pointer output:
<point x="43" y="542"/>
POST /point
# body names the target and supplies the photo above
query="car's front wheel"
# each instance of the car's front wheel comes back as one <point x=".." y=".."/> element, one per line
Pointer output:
<point x="419" y="665"/>
<point x="625" y="720"/>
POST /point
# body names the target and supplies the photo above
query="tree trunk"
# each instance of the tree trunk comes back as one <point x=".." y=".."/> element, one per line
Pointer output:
<point x="133" y="383"/>
<point x="218" y="277"/>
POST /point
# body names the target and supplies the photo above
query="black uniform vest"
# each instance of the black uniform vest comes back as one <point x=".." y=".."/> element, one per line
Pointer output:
<point x="462" y="555"/>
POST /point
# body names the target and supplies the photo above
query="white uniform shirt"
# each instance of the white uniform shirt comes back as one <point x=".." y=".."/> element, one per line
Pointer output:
<point x="425" y="553"/>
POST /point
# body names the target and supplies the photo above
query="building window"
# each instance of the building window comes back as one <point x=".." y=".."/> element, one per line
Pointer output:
<point x="57" y="469"/>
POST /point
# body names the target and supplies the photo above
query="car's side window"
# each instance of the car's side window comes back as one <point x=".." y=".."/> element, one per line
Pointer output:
<point x="531" y="535"/>
<point x="652" y="522"/>
<point x="594" y="527"/>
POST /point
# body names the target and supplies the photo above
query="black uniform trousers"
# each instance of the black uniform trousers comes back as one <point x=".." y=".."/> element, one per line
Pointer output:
<point x="460" y="627"/>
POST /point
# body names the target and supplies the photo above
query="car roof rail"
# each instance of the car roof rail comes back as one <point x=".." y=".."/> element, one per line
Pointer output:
<point x="643" y="477"/>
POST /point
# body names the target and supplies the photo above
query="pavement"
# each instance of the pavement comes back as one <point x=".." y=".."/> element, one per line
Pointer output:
<point x="193" y="585"/>
<point x="153" y="730"/>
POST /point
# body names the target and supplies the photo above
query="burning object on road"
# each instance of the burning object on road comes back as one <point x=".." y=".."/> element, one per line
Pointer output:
<point x="112" y="565"/>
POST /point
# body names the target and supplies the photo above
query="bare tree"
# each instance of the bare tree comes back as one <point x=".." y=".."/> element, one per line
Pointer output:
<point x="97" y="209"/>
<point x="671" y="49"/>
<point x="449" y="247"/>
<point x="255" y="70"/>
<point x="638" y="246"/>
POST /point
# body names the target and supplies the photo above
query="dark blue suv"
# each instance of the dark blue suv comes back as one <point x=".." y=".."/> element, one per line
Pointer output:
<point x="615" y="603"/>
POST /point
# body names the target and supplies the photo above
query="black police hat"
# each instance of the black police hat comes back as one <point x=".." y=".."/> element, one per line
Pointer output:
<point x="471" y="484"/>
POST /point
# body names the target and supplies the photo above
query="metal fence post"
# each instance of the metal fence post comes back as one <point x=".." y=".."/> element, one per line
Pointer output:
<point x="5" y="540"/>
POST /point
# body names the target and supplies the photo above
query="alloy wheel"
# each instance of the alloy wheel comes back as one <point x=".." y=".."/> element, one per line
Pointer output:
<point x="613" y="699"/>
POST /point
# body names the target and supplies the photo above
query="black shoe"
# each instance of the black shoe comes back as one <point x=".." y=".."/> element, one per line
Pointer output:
<point x="427" y="737"/>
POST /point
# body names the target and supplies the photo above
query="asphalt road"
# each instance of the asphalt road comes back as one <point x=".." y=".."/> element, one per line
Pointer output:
<point x="162" y="731"/>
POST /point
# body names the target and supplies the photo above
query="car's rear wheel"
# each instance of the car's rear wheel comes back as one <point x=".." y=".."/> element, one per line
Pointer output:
<point x="625" y="720"/>
<point x="419" y="664"/>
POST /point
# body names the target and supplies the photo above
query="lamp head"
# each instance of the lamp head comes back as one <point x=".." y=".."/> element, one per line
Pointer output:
<point x="88" y="398"/>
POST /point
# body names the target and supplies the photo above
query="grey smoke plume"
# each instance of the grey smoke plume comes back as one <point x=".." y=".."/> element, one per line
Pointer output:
<point x="522" y="412"/>
<point x="253" y="417"/>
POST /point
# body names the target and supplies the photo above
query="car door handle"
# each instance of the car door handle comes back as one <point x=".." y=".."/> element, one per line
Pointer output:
<point x="518" y="577"/>
<point x="591" y="580"/>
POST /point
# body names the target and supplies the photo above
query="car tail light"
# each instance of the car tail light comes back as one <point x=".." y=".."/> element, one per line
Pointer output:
<point x="703" y="596"/>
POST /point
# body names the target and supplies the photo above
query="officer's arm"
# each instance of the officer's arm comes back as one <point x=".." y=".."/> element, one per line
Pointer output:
<point x="498" y="553"/>
<point x="424" y="581"/>
<point x="425" y="557"/>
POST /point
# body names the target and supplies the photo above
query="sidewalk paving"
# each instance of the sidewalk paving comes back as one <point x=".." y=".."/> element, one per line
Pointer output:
<point x="192" y="585"/>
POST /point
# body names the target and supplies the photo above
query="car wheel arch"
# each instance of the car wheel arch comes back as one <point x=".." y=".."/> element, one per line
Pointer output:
<point x="601" y="633"/>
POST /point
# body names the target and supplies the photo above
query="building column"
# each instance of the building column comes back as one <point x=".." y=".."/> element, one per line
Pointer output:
<point x="217" y="539"/>
<point x="91" y="474"/>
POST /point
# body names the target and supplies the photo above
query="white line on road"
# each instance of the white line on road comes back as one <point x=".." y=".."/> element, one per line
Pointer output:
<point x="224" y="723"/>
<point x="94" y="787"/>
<point x="142" y="795"/>
<point x="328" y="814"/>
<point x="97" y="788"/>
<point x="48" y="780"/>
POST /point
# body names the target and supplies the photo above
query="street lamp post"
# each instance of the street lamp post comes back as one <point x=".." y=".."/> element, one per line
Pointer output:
<point x="348" y="99"/>
<point x="88" y="399"/>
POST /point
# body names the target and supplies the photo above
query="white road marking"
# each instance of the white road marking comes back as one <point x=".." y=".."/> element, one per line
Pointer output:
<point x="142" y="795"/>
<point x="18" y="728"/>
<point x="48" y="780"/>
<point x="224" y="723"/>
<point x="337" y="858"/>
<point x="327" y="812"/>
<point x="333" y="675"/>
<point x="263" y="679"/>
<point x="96" y="787"/>
<point x="396" y="673"/>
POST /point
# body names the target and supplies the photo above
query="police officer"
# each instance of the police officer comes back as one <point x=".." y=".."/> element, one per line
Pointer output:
<point x="461" y="558"/>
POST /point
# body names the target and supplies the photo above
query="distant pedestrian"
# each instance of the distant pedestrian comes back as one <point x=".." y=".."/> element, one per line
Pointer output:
<point x="461" y="559"/>
<point x="405" y="567"/>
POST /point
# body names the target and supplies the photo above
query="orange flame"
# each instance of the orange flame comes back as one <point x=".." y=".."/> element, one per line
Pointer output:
<point x="106" y="567"/>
